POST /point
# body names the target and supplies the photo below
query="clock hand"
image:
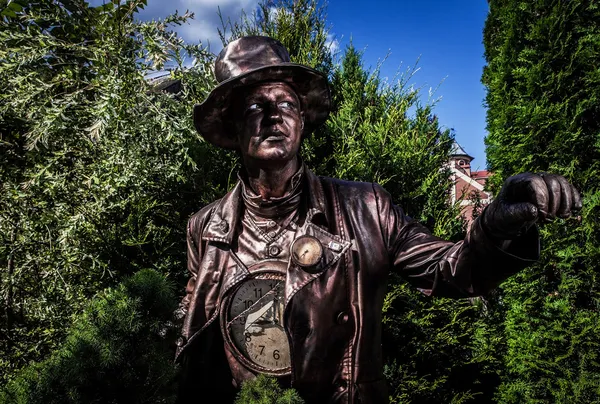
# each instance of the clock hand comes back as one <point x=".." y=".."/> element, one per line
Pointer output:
<point x="258" y="316"/>
<point x="276" y="315"/>
<point x="276" y="289"/>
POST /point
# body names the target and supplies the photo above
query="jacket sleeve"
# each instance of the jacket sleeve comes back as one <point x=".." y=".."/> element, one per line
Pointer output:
<point x="471" y="267"/>
<point x="193" y="262"/>
<point x="192" y="309"/>
<point x="203" y="363"/>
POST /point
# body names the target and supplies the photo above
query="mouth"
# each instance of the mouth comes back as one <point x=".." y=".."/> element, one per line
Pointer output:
<point x="274" y="138"/>
<point x="274" y="135"/>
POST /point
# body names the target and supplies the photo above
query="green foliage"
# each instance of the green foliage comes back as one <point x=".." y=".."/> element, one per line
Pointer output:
<point x="118" y="350"/>
<point x="266" y="390"/>
<point x="543" y="83"/>
<point x="374" y="139"/>
<point x="432" y="349"/>
<point x="100" y="172"/>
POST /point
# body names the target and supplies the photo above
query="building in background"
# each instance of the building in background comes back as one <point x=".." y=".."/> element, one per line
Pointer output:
<point x="468" y="185"/>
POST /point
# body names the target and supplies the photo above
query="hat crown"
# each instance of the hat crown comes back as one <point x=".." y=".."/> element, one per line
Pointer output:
<point x="249" y="53"/>
<point x="249" y="61"/>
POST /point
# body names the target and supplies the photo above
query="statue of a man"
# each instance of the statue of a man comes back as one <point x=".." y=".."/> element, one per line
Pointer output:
<point x="289" y="270"/>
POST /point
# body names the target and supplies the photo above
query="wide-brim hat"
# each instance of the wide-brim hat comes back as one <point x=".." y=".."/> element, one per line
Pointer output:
<point x="251" y="60"/>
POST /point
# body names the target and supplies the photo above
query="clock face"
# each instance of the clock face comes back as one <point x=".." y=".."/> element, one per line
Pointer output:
<point x="255" y="325"/>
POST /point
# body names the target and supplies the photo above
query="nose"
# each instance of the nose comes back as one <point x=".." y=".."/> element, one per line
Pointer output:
<point x="274" y="113"/>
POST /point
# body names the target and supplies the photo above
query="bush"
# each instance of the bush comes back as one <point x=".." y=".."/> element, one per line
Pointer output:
<point x="543" y="82"/>
<point x="119" y="350"/>
<point x="266" y="390"/>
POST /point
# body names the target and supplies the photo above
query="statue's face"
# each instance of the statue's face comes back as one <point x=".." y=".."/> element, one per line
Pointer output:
<point x="268" y="122"/>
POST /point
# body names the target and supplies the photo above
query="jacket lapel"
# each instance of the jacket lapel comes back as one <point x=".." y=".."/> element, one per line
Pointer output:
<point x="317" y="225"/>
<point x="223" y="223"/>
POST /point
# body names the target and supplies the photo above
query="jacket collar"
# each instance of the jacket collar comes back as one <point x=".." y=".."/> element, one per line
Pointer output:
<point x="222" y="223"/>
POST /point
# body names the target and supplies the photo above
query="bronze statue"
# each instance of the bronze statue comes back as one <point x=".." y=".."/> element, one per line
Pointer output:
<point x="289" y="270"/>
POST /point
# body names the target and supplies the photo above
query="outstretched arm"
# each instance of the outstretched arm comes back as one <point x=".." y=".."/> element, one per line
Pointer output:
<point x="502" y="240"/>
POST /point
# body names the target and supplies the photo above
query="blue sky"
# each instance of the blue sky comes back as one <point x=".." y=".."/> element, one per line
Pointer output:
<point x="444" y="36"/>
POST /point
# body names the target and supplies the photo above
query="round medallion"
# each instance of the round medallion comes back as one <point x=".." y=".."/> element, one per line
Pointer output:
<point x="252" y="323"/>
<point x="306" y="251"/>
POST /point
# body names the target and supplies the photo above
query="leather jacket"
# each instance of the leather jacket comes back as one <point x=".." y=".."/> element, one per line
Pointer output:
<point x="333" y="315"/>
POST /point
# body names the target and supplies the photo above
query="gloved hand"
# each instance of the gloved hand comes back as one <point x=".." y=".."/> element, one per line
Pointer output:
<point x="526" y="199"/>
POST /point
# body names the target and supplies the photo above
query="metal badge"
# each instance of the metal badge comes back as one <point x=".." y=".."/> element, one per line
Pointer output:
<point x="306" y="251"/>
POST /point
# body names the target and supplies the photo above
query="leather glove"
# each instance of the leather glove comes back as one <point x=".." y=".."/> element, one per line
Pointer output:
<point x="526" y="199"/>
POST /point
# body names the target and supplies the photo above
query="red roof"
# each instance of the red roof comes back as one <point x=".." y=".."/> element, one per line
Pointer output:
<point x="480" y="174"/>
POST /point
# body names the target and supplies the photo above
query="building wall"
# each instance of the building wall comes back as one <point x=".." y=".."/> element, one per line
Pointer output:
<point x="468" y="186"/>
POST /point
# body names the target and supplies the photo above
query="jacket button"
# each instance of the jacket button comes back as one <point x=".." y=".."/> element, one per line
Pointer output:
<point x="180" y="342"/>
<point x="274" y="250"/>
<point x="342" y="317"/>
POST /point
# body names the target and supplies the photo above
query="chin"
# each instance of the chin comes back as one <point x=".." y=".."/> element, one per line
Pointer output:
<point x="274" y="155"/>
<point x="275" y="158"/>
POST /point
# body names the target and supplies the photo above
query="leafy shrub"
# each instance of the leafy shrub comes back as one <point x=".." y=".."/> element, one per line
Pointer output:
<point x="119" y="350"/>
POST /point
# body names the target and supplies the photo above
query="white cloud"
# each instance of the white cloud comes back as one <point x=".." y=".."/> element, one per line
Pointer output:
<point x="203" y="28"/>
<point x="332" y="43"/>
<point x="204" y="31"/>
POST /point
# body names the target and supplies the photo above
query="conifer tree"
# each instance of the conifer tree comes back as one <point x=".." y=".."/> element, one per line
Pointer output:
<point x="118" y="351"/>
<point x="266" y="390"/>
<point x="542" y="95"/>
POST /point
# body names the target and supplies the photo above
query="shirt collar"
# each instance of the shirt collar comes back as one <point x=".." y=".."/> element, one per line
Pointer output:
<point x="222" y="224"/>
<point x="292" y="185"/>
<point x="273" y="207"/>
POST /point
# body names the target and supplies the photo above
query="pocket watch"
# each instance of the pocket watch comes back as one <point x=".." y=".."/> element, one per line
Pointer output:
<point x="252" y="320"/>
<point x="306" y="251"/>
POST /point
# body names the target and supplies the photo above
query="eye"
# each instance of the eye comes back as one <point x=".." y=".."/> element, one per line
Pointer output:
<point x="286" y="104"/>
<point x="253" y="107"/>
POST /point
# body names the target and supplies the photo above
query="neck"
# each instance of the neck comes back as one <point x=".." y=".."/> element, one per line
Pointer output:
<point x="272" y="181"/>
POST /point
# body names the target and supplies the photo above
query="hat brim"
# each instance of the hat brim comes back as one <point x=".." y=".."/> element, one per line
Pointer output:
<point x="310" y="85"/>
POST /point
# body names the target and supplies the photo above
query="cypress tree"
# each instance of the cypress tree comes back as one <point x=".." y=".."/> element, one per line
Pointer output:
<point x="542" y="84"/>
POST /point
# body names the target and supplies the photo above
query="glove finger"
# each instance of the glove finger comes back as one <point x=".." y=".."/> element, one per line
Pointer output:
<point x="538" y="194"/>
<point x="577" y="204"/>
<point x="553" y="186"/>
<point x="518" y="216"/>
<point x="566" y="197"/>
